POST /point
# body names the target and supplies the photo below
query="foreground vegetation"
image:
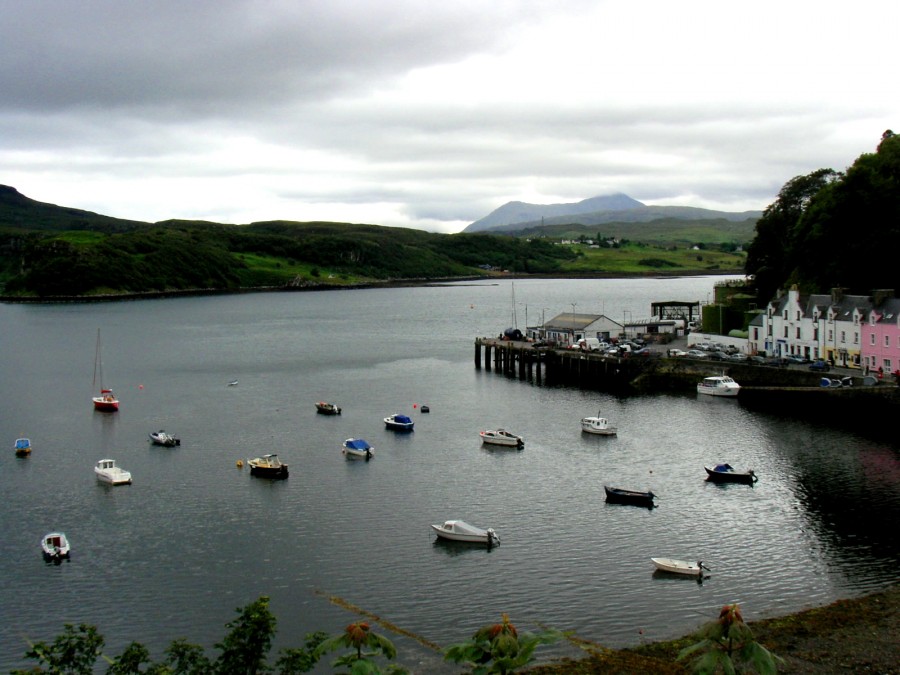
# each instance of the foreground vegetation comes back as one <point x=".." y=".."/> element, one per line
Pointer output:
<point x="858" y="635"/>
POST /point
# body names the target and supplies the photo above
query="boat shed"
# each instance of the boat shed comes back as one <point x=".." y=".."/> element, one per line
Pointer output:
<point x="567" y="328"/>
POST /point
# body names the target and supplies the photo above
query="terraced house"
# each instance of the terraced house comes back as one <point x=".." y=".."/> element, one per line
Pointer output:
<point x="854" y="331"/>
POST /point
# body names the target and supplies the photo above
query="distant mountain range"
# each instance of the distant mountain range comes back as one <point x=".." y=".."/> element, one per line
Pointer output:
<point x="614" y="208"/>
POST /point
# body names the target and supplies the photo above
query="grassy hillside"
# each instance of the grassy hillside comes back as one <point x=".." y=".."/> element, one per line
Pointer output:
<point x="47" y="250"/>
<point x="660" y="231"/>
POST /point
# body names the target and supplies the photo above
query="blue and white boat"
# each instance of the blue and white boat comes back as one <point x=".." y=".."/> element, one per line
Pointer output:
<point x="357" y="448"/>
<point x="398" y="422"/>
<point x="23" y="447"/>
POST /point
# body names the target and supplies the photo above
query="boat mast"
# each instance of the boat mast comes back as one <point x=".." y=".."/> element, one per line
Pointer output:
<point x="98" y="363"/>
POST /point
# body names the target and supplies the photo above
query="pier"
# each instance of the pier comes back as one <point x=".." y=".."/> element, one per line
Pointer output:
<point x="793" y="390"/>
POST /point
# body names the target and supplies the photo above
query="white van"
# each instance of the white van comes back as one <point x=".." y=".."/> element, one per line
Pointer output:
<point x="589" y="344"/>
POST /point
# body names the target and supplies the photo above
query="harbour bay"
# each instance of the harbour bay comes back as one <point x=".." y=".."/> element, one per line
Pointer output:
<point x="195" y="537"/>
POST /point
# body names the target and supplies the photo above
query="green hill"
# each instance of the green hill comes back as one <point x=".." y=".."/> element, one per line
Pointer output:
<point x="51" y="251"/>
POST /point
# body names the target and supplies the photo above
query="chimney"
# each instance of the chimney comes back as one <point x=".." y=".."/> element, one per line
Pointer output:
<point x="837" y="294"/>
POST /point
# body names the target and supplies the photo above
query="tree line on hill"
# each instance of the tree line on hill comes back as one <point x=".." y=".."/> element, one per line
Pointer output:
<point x="831" y="229"/>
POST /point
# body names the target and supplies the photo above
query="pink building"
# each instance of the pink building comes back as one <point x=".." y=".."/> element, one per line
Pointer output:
<point x="881" y="336"/>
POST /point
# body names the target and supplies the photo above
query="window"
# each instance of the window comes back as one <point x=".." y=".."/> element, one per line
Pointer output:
<point x="830" y="335"/>
<point x="784" y="316"/>
<point x="887" y="365"/>
<point x="785" y="331"/>
<point x="855" y="338"/>
<point x="843" y="336"/>
<point x="756" y="333"/>
<point x="798" y="332"/>
<point x="872" y="339"/>
<point x="887" y="340"/>
<point x="798" y="315"/>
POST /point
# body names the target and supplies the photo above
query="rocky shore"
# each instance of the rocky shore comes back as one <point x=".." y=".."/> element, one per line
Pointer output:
<point x="861" y="635"/>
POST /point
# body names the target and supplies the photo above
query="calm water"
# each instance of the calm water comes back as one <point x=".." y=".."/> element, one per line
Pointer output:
<point x="195" y="537"/>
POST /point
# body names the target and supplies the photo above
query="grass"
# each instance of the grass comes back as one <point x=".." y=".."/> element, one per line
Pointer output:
<point x="646" y="259"/>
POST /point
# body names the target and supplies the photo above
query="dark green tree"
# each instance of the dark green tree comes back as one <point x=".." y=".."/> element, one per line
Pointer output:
<point x="244" y="649"/>
<point x="771" y="256"/>
<point x="74" y="652"/>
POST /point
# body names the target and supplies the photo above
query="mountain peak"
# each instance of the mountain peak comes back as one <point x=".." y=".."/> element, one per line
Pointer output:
<point x="523" y="212"/>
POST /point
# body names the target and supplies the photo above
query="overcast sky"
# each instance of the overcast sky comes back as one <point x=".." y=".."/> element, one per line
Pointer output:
<point x="428" y="114"/>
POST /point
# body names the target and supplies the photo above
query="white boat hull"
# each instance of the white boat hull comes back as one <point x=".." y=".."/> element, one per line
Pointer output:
<point x="678" y="566"/>
<point x="721" y="385"/>
<point x="598" y="426"/>
<point x="107" y="472"/>
<point x="456" y="530"/>
<point x="501" y="438"/>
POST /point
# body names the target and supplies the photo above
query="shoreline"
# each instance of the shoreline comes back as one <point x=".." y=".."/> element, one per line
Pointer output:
<point x="389" y="283"/>
<point x="856" y="635"/>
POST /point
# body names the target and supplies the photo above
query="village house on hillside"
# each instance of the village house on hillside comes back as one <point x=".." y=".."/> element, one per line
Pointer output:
<point x="856" y="331"/>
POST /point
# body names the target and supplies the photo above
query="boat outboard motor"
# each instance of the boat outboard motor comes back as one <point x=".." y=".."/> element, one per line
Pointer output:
<point x="492" y="536"/>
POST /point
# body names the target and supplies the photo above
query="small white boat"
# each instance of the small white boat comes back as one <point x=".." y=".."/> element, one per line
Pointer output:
<point x="679" y="566"/>
<point x="357" y="448"/>
<point x="233" y="383"/>
<point x="501" y="437"/>
<point x="22" y="447"/>
<point x="108" y="472"/>
<point x="598" y="425"/>
<point x="162" y="438"/>
<point x="55" y="546"/>
<point x="399" y="422"/>
<point x="718" y="385"/>
<point x="457" y="530"/>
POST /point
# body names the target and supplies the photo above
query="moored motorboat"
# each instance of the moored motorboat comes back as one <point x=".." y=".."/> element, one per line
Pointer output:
<point x="268" y="466"/>
<point x="22" y="447"/>
<point x="55" y="546"/>
<point x="163" y="438"/>
<point x="398" y="422"/>
<point x="501" y="437"/>
<point x="458" y="530"/>
<point x="718" y="385"/>
<point x="598" y="425"/>
<point x="620" y="496"/>
<point x="325" y="408"/>
<point x="725" y="473"/>
<point x="357" y="448"/>
<point x="107" y="472"/>
<point x="680" y="566"/>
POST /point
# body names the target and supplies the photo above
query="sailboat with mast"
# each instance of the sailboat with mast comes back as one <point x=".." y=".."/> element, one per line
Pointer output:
<point x="106" y="401"/>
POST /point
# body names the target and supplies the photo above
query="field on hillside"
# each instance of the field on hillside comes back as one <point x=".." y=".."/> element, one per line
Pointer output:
<point x="643" y="258"/>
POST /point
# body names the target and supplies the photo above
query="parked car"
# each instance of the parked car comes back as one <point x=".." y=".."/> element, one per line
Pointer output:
<point x="821" y="366"/>
<point x="718" y="356"/>
<point x="696" y="354"/>
<point x="738" y="356"/>
<point x="643" y="351"/>
<point x="677" y="352"/>
<point x="758" y="360"/>
<point x="795" y="358"/>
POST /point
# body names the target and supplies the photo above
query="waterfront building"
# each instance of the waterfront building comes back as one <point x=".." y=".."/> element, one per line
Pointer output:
<point x="881" y="334"/>
<point x="835" y="327"/>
